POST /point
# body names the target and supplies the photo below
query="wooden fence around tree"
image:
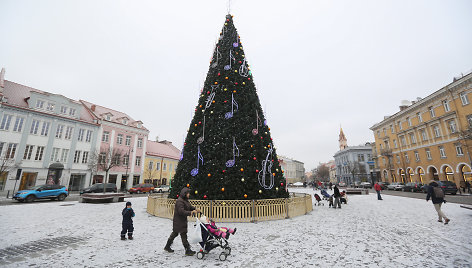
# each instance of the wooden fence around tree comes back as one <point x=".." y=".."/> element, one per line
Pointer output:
<point x="237" y="210"/>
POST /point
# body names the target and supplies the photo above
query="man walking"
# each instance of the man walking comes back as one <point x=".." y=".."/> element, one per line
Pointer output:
<point x="337" y="195"/>
<point x="436" y="194"/>
<point x="378" y="188"/>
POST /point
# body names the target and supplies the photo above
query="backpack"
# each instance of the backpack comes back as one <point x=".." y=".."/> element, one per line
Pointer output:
<point x="438" y="192"/>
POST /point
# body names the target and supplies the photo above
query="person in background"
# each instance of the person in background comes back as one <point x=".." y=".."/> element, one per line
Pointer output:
<point x="436" y="194"/>
<point x="378" y="188"/>
<point x="337" y="195"/>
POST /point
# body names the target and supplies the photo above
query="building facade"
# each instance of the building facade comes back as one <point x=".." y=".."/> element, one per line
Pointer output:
<point x="428" y="138"/>
<point x="160" y="162"/>
<point x="354" y="164"/>
<point x="125" y="139"/>
<point x="44" y="138"/>
<point x="294" y="171"/>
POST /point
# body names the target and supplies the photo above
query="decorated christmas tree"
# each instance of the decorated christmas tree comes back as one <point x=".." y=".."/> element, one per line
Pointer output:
<point x="228" y="152"/>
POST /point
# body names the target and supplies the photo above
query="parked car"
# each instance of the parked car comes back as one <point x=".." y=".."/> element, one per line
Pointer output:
<point x="342" y="184"/>
<point x="98" y="188"/>
<point x="141" y="188"/>
<point x="47" y="191"/>
<point x="161" y="189"/>
<point x="413" y="187"/>
<point x="396" y="186"/>
<point x="357" y="184"/>
<point x="383" y="184"/>
<point x="449" y="187"/>
<point x="365" y="185"/>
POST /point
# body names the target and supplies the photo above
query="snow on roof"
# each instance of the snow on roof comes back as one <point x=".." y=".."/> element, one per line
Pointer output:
<point x="162" y="149"/>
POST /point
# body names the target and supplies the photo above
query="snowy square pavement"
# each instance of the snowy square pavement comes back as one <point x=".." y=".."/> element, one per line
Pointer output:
<point x="395" y="232"/>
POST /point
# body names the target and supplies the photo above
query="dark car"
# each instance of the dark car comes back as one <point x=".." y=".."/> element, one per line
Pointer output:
<point x="383" y="185"/>
<point x="98" y="188"/>
<point x="47" y="191"/>
<point x="449" y="187"/>
<point x="413" y="187"/>
<point x="141" y="188"/>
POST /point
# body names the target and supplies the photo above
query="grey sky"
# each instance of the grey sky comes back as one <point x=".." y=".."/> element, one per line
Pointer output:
<point x="316" y="64"/>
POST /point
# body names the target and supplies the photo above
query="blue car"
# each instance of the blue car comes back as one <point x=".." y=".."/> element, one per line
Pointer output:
<point x="47" y="191"/>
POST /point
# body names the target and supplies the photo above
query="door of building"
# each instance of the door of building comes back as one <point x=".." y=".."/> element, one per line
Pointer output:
<point x="76" y="182"/>
<point x="124" y="182"/>
<point x="28" y="180"/>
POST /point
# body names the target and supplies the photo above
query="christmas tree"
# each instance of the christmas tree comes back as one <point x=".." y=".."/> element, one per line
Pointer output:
<point x="228" y="153"/>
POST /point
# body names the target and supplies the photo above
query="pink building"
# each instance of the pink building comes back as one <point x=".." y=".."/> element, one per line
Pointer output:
<point x="127" y="138"/>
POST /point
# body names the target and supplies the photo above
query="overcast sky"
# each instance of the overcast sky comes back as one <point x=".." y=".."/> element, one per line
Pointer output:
<point x="316" y="64"/>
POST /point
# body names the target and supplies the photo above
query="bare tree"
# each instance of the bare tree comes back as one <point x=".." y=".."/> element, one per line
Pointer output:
<point x="322" y="172"/>
<point x="353" y="168"/>
<point x="150" y="172"/>
<point x="105" y="160"/>
<point x="93" y="164"/>
<point x="6" y="165"/>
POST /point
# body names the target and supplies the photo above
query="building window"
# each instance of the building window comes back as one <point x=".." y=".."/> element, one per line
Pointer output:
<point x="407" y="158"/>
<point x="420" y="118"/>
<point x="431" y="111"/>
<point x="442" y="152"/>
<point x="385" y="131"/>
<point x="138" y="160"/>
<point x="140" y="143"/>
<point x="39" y="104"/>
<point x="50" y="106"/>
<point x="108" y="117"/>
<point x="28" y="152"/>
<point x="5" y="125"/>
<point x="392" y="129"/>
<point x="387" y="145"/>
<point x="459" y="150"/>
<point x="45" y="129"/>
<point x="63" y="110"/>
<point x="77" y="157"/>
<point x="128" y="141"/>
<point x="412" y="138"/>
<point x="81" y="134"/>
<point x="125" y="122"/>
<point x="381" y="146"/>
<point x="116" y="159"/>
<point x="398" y="159"/>
<point x="437" y="131"/>
<point x="105" y="136"/>
<point x="34" y="127"/>
<point x="417" y="156"/>
<point x="39" y="153"/>
<point x="101" y="158"/>
<point x="400" y="125"/>
<point x="88" y="138"/>
<point x="150" y="165"/>
<point x="469" y="120"/>
<point x="464" y="98"/>
<point x="59" y="130"/>
<point x="68" y="135"/>
<point x="164" y="167"/>
<point x="452" y="126"/>
<point x="85" y="157"/>
<point x="428" y="154"/>
<point x="360" y="157"/>
<point x="18" y="124"/>
<point x="158" y="167"/>
<point x="125" y="160"/>
<point x="446" y="105"/>
<point x="64" y="155"/>
<point x="423" y="135"/>
<point x="72" y="112"/>
<point x="409" y="121"/>
<point x="403" y="140"/>
<point x="395" y="144"/>
<point x="119" y="139"/>
<point x="55" y="154"/>
<point x="384" y="161"/>
<point x="11" y="150"/>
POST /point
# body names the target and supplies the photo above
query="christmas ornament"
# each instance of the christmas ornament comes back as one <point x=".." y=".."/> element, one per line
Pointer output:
<point x="231" y="162"/>
<point x="196" y="192"/>
<point x="205" y="196"/>
<point x="242" y="179"/>
<point x="245" y="196"/>
<point x="222" y="189"/>
<point x="266" y="169"/>
<point x="194" y="171"/>
<point x="260" y="191"/>
<point x="188" y="185"/>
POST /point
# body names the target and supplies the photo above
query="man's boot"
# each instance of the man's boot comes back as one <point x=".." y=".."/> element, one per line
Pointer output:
<point x="167" y="247"/>
<point x="189" y="252"/>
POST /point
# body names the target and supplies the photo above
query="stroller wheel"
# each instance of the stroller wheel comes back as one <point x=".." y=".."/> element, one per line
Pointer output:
<point x="228" y="251"/>
<point x="200" y="255"/>
<point x="222" y="256"/>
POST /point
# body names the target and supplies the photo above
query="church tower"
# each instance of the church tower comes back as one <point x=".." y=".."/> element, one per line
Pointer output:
<point x="342" y="140"/>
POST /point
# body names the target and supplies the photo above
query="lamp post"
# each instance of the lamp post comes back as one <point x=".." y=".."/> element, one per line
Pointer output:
<point x="127" y="167"/>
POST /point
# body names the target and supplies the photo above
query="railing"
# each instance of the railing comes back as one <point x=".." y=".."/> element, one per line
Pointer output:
<point x="237" y="210"/>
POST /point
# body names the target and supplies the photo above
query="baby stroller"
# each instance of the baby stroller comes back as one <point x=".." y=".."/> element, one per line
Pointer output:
<point x="318" y="200"/>
<point x="325" y="194"/>
<point x="210" y="242"/>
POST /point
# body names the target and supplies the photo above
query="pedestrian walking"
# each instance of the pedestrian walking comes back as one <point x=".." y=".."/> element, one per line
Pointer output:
<point x="337" y="195"/>
<point x="127" y="222"/>
<point x="462" y="186"/>
<point x="467" y="185"/>
<point x="330" y="185"/>
<point x="378" y="188"/>
<point x="436" y="194"/>
<point x="182" y="210"/>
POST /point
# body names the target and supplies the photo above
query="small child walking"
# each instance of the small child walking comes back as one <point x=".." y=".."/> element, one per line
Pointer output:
<point x="127" y="223"/>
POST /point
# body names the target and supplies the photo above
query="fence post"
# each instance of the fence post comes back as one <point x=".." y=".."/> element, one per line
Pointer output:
<point x="286" y="208"/>
<point x="211" y="209"/>
<point x="253" y="211"/>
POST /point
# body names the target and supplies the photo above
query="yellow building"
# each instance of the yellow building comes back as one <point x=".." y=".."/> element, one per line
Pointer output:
<point x="429" y="138"/>
<point x="160" y="162"/>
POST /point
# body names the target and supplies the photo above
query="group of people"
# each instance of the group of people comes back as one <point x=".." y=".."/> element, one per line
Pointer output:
<point x="464" y="185"/>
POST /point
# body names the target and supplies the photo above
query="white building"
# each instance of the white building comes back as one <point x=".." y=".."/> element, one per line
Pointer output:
<point x="294" y="171"/>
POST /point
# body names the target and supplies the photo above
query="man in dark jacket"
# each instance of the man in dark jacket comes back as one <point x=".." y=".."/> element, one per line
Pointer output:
<point x="182" y="210"/>
<point x="436" y="194"/>
<point x="127" y="223"/>
<point x="337" y="195"/>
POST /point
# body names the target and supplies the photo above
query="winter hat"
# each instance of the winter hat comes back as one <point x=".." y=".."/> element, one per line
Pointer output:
<point x="128" y="203"/>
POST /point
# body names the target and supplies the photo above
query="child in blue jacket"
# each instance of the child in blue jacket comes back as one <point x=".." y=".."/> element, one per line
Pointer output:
<point x="127" y="223"/>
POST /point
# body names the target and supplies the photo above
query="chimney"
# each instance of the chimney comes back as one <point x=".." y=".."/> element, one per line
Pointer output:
<point x="93" y="107"/>
<point x="404" y="104"/>
<point x="2" y="80"/>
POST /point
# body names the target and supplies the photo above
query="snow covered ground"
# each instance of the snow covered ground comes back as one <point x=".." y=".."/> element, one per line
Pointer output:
<point x="395" y="232"/>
